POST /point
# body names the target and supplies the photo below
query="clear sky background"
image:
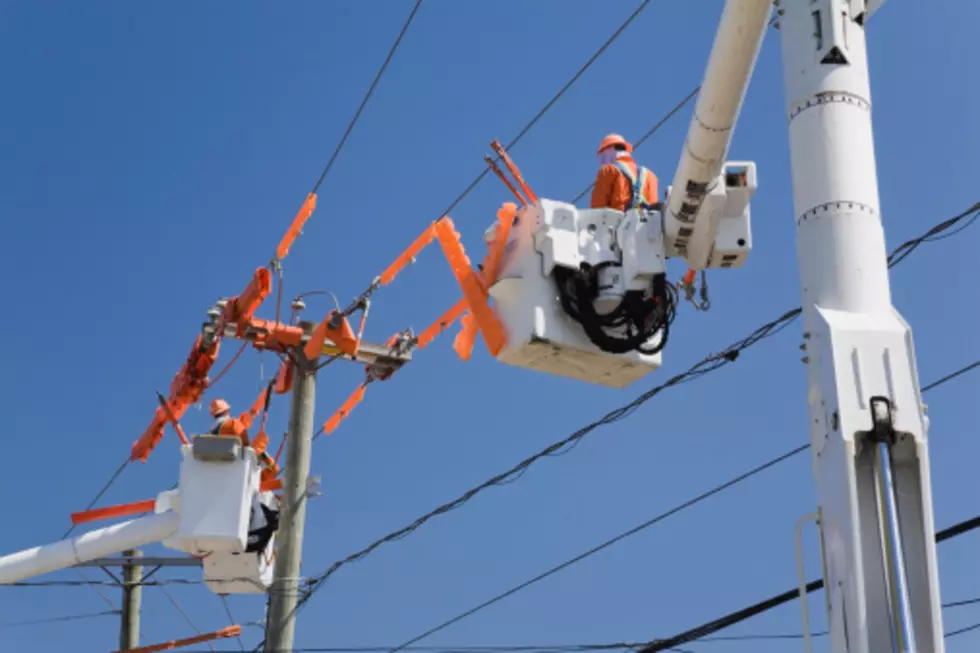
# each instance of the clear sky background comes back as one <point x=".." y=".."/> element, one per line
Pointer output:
<point x="154" y="153"/>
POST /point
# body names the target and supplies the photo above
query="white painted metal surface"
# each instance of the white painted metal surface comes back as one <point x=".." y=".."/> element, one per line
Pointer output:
<point x="210" y="515"/>
<point x="244" y="573"/>
<point x="95" y="544"/>
<point x="689" y="232"/>
<point x="857" y="345"/>
<point x="215" y="502"/>
<point x="540" y="335"/>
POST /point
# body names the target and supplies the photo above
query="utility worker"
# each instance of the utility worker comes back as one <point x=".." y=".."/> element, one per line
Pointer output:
<point x="264" y="519"/>
<point x="622" y="184"/>
<point x="225" y="424"/>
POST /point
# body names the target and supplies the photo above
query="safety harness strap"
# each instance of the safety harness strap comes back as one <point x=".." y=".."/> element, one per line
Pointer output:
<point x="636" y="183"/>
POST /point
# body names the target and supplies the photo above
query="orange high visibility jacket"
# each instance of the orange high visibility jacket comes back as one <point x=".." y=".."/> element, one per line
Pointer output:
<point x="614" y="190"/>
<point x="232" y="426"/>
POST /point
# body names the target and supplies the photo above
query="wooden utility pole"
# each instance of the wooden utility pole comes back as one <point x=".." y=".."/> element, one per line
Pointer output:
<point x="129" y="631"/>
<point x="284" y="593"/>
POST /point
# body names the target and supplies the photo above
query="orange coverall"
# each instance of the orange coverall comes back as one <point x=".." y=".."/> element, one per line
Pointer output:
<point x="236" y="427"/>
<point x="613" y="190"/>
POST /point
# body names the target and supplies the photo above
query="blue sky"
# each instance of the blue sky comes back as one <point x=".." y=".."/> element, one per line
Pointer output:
<point x="154" y="154"/>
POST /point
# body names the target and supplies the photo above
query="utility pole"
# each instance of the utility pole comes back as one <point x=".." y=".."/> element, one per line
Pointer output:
<point x="284" y="593"/>
<point x="129" y="631"/>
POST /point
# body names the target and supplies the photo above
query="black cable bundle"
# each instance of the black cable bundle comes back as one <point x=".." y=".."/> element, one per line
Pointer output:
<point x="629" y="326"/>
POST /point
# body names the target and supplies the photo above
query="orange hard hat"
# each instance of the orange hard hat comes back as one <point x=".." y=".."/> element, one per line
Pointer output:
<point x="219" y="407"/>
<point x="614" y="139"/>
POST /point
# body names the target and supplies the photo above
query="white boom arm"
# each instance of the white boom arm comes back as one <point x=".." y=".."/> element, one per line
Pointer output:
<point x="218" y="510"/>
<point x="89" y="546"/>
<point x="867" y="422"/>
<point x="690" y="225"/>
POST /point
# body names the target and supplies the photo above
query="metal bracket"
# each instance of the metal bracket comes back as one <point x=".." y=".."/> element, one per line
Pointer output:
<point x="801" y="576"/>
<point x="882" y="424"/>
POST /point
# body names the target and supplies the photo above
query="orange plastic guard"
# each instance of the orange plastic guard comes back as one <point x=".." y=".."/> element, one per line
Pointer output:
<point x="274" y="336"/>
<point x="343" y="337"/>
<point x="241" y="308"/>
<point x="356" y="397"/>
<point x="173" y="420"/>
<point x="292" y="233"/>
<point x="473" y="290"/>
<point x="513" y="170"/>
<point x="186" y="388"/>
<point x="463" y="343"/>
<point x="230" y="631"/>
<point x="113" y="511"/>
<point x="284" y="379"/>
<point x="441" y="324"/>
<point x="406" y="257"/>
<point x="271" y="485"/>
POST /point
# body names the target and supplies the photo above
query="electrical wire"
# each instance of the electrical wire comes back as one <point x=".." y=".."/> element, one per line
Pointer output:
<point x="594" y="550"/>
<point x="639" y="528"/>
<point x="713" y="627"/>
<point x="53" y="620"/>
<point x="115" y="583"/>
<point x="105" y="488"/>
<point x="908" y="247"/>
<point x="958" y="604"/>
<point x="227" y="367"/>
<point x="953" y="375"/>
<point x="374" y="84"/>
<point x="231" y="619"/>
<point x="653" y="130"/>
<point x="962" y="630"/>
<point x="551" y="103"/>
<point x="707" y="365"/>
<point x="184" y="614"/>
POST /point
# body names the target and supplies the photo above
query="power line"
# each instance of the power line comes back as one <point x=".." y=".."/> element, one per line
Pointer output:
<point x="908" y="247"/>
<point x="690" y="503"/>
<point x="653" y="130"/>
<point x="105" y="488"/>
<point x="184" y="614"/>
<point x="231" y="618"/>
<point x="587" y="554"/>
<point x="53" y="620"/>
<point x="547" y="107"/>
<point x="374" y="84"/>
<point x="963" y="630"/>
<point x="950" y="377"/>
<point x="561" y="648"/>
<point x="712" y="627"/>
<point x="709" y="364"/>
<point x="573" y="648"/>
<point x="957" y="604"/>
<point x="115" y="583"/>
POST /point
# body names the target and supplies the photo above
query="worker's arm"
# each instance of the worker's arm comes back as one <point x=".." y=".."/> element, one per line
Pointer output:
<point x="234" y="426"/>
<point x="605" y="183"/>
<point x="652" y="189"/>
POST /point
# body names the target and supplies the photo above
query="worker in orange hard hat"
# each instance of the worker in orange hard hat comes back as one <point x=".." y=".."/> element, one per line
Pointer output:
<point x="264" y="519"/>
<point x="225" y="424"/>
<point x="621" y="183"/>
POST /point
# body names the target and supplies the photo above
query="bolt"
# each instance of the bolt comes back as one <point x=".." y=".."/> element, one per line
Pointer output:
<point x="805" y="359"/>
